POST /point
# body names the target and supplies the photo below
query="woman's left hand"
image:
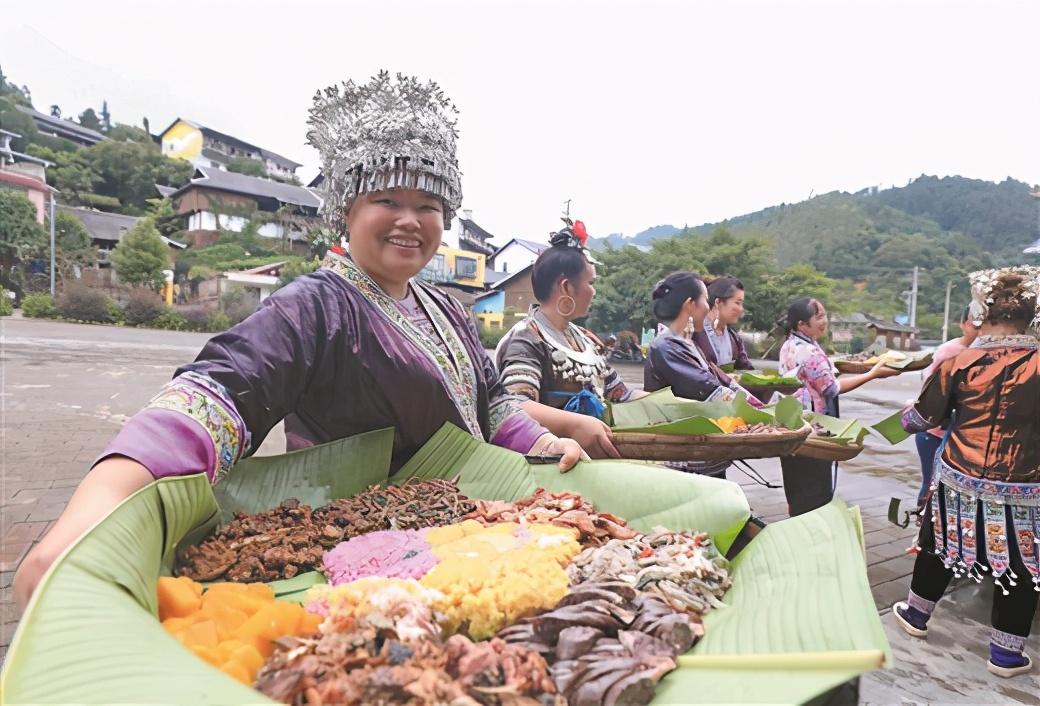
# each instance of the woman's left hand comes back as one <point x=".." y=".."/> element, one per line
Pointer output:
<point x="568" y="448"/>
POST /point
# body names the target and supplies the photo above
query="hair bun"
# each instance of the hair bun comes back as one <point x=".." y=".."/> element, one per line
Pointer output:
<point x="661" y="290"/>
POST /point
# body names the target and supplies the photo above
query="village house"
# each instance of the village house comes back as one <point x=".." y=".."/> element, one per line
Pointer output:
<point x="512" y="295"/>
<point x="205" y="147"/>
<point x="215" y="200"/>
<point x="516" y="255"/>
<point x="65" y="129"/>
<point x="24" y="173"/>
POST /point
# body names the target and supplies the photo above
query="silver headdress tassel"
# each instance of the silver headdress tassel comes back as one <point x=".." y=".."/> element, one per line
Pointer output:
<point x="389" y="133"/>
<point x="984" y="282"/>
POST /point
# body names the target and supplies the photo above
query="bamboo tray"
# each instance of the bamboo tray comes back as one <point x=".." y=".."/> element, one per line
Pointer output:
<point x="850" y="367"/>
<point x="820" y="450"/>
<point x="709" y="447"/>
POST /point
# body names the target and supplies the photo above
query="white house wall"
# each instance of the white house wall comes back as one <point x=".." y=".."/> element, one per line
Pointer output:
<point x="514" y="258"/>
<point x="206" y="220"/>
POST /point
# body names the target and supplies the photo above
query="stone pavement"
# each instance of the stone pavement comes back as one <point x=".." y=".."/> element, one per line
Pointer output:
<point x="65" y="389"/>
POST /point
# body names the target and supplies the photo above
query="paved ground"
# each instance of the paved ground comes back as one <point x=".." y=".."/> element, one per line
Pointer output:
<point x="65" y="389"/>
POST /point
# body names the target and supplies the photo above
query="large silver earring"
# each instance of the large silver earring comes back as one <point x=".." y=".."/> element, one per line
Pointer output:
<point x="574" y="305"/>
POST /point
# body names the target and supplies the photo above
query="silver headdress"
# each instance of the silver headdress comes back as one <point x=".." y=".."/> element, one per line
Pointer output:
<point x="389" y="133"/>
<point x="984" y="283"/>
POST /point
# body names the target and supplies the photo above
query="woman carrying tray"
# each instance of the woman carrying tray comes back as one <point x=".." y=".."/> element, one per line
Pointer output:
<point x="808" y="482"/>
<point x="985" y="498"/>
<point x="719" y="343"/>
<point x="560" y="367"/>
<point x="356" y="346"/>
<point x="676" y="362"/>
<point x="928" y="441"/>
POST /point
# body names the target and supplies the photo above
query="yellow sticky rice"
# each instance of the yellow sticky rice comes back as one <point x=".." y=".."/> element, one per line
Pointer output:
<point x="493" y="576"/>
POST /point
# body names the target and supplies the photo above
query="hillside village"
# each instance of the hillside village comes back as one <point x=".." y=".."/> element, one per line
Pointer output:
<point x="236" y="223"/>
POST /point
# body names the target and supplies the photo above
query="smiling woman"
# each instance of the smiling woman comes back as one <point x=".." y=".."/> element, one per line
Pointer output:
<point x="358" y="345"/>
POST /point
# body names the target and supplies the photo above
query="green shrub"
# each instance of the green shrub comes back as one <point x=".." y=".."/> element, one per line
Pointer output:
<point x="237" y="305"/>
<point x="170" y="320"/>
<point x="196" y="319"/>
<point x="218" y="321"/>
<point x="38" y="306"/>
<point x="6" y="303"/>
<point x="80" y="303"/>
<point x="491" y="337"/>
<point x="143" y="307"/>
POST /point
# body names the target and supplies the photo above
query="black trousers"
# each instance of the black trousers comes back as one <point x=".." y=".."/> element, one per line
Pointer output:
<point x="808" y="483"/>
<point x="1012" y="613"/>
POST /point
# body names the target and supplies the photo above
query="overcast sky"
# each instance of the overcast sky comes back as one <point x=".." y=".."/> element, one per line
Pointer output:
<point x="640" y="112"/>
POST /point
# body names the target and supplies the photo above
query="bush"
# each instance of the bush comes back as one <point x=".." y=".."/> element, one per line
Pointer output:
<point x="170" y="320"/>
<point x="491" y="337"/>
<point x="218" y="321"/>
<point x="143" y="307"/>
<point x="6" y="303"/>
<point x="195" y="319"/>
<point x="80" y="303"/>
<point x="115" y="312"/>
<point x="237" y="305"/>
<point x="38" y="306"/>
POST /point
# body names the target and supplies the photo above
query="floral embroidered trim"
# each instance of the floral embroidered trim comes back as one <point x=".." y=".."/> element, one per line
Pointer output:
<point x="918" y="603"/>
<point x="207" y="402"/>
<point x="1015" y="643"/>
<point x="913" y="421"/>
<point x="457" y="373"/>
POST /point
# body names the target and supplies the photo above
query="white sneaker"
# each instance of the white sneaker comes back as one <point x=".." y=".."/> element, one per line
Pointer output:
<point x="1007" y="672"/>
<point x="908" y="628"/>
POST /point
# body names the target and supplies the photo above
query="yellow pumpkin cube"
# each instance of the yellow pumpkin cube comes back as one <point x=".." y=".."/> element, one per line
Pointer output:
<point x="177" y="599"/>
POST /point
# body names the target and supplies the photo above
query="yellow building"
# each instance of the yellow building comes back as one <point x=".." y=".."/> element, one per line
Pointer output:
<point x="460" y="267"/>
<point x="204" y="147"/>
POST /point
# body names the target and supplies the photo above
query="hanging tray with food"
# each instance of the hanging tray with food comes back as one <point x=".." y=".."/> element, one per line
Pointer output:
<point x="765" y="383"/>
<point x="904" y="361"/>
<point x="662" y="427"/>
<point x="832" y="439"/>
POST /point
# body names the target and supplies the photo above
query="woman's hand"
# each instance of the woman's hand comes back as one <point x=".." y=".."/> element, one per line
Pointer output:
<point x="881" y="371"/>
<point x="109" y="483"/>
<point x="593" y="435"/>
<point x="552" y="445"/>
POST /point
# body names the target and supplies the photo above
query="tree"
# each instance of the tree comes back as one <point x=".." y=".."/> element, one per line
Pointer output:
<point x="129" y="171"/>
<point x="21" y="237"/>
<point x="70" y="234"/>
<point x="129" y="133"/>
<point x="141" y="256"/>
<point x="768" y="304"/>
<point x="247" y="166"/>
<point x="17" y="96"/>
<point x="89" y="119"/>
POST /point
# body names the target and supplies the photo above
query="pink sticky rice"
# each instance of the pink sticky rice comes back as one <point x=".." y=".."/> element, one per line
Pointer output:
<point x="402" y="554"/>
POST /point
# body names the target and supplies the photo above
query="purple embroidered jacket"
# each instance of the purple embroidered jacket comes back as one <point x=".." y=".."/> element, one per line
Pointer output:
<point x="334" y="356"/>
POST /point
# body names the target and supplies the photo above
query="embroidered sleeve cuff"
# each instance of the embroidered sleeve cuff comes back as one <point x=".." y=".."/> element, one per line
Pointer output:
<point x="914" y="422"/>
<point x="518" y="432"/>
<point x="189" y="427"/>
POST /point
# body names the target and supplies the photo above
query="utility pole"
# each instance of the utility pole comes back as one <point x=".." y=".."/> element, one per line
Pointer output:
<point x="946" y="312"/>
<point x="52" y="245"/>
<point x="913" y="299"/>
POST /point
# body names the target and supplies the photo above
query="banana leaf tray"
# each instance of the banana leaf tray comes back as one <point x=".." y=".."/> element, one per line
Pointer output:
<point x="710" y="447"/>
<point x="821" y="450"/>
<point x="799" y="621"/>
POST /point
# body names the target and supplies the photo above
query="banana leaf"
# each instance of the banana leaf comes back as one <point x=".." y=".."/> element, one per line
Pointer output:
<point x="797" y="581"/>
<point x="663" y="413"/>
<point x="843" y="431"/>
<point x="891" y="429"/>
<point x="90" y="634"/>
<point x="766" y="376"/>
